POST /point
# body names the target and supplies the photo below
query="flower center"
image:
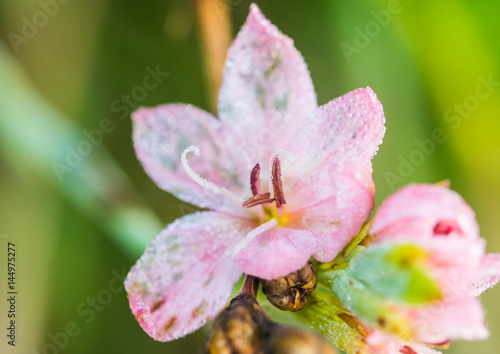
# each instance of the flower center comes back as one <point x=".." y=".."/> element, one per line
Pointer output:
<point x="260" y="198"/>
<point x="271" y="212"/>
<point x="264" y="199"/>
<point x="270" y="215"/>
<point x="263" y="202"/>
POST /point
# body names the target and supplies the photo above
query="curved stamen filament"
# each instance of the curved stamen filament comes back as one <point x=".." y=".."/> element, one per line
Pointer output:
<point x="279" y="195"/>
<point x="275" y="172"/>
<point x="251" y="235"/>
<point x="258" y="199"/>
<point x="255" y="180"/>
<point x="203" y="182"/>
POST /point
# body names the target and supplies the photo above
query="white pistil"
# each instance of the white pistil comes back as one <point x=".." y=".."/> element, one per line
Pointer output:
<point x="203" y="182"/>
<point x="251" y="235"/>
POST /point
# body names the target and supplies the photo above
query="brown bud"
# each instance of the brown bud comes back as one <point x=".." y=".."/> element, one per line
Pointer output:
<point x="290" y="293"/>
<point x="244" y="328"/>
<point x="290" y="340"/>
<point x="239" y="329"/>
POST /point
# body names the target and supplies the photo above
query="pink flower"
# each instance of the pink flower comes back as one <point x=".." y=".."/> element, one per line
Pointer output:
<point x="439" y="221"/>
<point x="377" y="342"/>
<point x="310" y="198"/>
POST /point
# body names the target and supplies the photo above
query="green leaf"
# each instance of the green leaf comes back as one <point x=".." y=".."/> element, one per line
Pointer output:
<point x="396" y="272"/>
<point x="347" y="253"/>
<point x="370" y="306"/>
<point x="324" y="313"/>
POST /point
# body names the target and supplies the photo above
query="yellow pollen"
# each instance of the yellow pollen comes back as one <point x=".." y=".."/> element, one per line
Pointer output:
<point x="272" y="212"/>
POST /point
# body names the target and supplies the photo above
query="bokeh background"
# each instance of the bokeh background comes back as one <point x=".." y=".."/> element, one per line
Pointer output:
<point x="69" y="66"/>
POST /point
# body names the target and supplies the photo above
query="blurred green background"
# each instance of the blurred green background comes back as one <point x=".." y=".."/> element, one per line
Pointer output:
<point x="67" y="67"/>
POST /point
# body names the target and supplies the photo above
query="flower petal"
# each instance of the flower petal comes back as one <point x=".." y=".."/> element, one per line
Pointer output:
<point x="341" y="137"/>
<point x="424" y="211"/>
<point x="487" y="274"/>
<point x="379" y="342"/>
<point x="330" y="189"/>
<point x="455" y="274"/>
<point x="459" y="319"/>
<point x="276" y="252"/>
<point x="345" y="192"/>
<point x="161" y="135"/>
<point x="183" y="278"/>
<point x="420" y="348"/>
<point x="266" y="89"/>
<point x="350" y="127"/>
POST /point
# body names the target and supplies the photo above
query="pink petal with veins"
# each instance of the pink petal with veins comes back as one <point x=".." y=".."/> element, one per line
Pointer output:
<point x="350" y="127"/>
<point x="276" y="252"/>
<point x="183" y="278"/>
<point x="380" y="343"/>
<point x="335" y="220"/>
<point x="266" y="91"/>
<point x="487" y="274"/>
<point x="457" y="319"/>
<point x="162" y="134"/>
<point x="142" y="313"/>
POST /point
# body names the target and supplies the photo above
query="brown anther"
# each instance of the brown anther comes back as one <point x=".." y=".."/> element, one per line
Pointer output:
<point x="258" y="199"/>
<point x="279" y="196"/>
<point x="290" y="293"/>
<point x="255" y="180"/>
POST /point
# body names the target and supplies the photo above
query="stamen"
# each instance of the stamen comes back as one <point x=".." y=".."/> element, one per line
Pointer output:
<point x="258" y="199"/>
<point x="276" y="183"/>
<point x="203" y="182"/>
<point x="251" y="235"/>
<point x="255" y="180"/>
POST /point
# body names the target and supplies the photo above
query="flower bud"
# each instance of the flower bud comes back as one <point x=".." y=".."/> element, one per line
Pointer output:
<point x="244" y="328"/>
<point x="290" y="293"/>
<point x="238" y="329"/>
<point x="290" y="340"/>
